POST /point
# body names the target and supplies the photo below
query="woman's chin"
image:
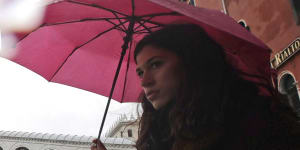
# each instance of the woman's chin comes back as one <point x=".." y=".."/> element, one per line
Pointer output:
<point x="156" y="105"/>
<point x="159" y="104"/>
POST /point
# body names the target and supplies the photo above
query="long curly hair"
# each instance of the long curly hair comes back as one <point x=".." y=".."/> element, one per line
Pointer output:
<point x="212" y="101"/>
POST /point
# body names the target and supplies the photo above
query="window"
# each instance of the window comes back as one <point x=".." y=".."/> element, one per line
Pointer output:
<point x="121" y="133"/>
<point x="129" y="133"/>
<point x="244" y="24"/>
<point x="22" y="148"/>
<point x="296" y="10"/>
<point x="287" y="86"/>
<point x="1" y="148"/>
<point x="191" y="2"/>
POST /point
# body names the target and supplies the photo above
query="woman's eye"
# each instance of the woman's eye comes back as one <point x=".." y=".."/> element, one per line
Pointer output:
<point x="155" y="64"/>
<point x="140" y="74"/>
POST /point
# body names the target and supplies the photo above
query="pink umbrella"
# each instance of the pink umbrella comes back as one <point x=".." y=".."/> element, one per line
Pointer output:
<point x="82" y="42"/>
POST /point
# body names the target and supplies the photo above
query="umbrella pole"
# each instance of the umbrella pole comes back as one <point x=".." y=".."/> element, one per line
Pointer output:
<point x="127" y="39"/>
<point x="111" y="92"/>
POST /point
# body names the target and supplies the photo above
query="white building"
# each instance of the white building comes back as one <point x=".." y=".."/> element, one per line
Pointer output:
<point x="125" y="127"/>
<point x="44" y="141"/>
<point x="121" y="136"/>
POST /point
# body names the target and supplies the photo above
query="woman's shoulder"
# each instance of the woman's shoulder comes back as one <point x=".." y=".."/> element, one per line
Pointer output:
<point x="284" y="132"/>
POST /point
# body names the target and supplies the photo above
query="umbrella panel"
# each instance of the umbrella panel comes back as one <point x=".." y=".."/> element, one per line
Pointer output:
<point x="90" y="67"/>
<point x="79" y="43"/>
<point x="84" y="33"/>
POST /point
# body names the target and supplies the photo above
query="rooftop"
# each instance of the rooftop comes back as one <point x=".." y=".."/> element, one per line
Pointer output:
<point x="61" y="137"/>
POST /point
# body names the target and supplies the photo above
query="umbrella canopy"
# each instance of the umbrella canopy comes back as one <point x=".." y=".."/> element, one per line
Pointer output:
<point x="80" y="42"/>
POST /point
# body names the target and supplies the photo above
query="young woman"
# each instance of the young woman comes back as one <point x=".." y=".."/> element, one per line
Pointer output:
<point x="193" y="99"/>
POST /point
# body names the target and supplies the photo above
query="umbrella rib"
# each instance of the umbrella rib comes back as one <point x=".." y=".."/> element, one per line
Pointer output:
<point x="119" y="19"/>
<point x="161" y="14"/>
<point x="143" y="32"/>
<point x="81" y="46"/>
<point x="149" y="21"/>
<point x="142" y="23"/>
<point x="96" y="6"/>
<point x="156" y="15"/>
<point x="31" y="32"/>
<point x="121" y="23"/>
<point x="117" y="27"/>
<point x="100" y="7"/>
<point x="81" y="20"/>
<point x="146" y="29"/>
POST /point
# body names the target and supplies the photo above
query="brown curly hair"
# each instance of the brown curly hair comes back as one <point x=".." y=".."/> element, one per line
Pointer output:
<point x="214" y="102"/>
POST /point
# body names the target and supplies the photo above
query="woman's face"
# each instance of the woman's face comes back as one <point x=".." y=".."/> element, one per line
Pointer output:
<point x="160" y="72"/>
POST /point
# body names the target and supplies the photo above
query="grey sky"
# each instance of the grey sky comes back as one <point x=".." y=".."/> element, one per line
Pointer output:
<point x="32" y="104"/>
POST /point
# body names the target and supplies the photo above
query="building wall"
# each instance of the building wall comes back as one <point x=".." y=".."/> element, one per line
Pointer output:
<point x="275" y="23"/>
<point x="13" y="144"/>
<point x="12" y="140"/>
<point x="32" y="144"/>
<point x="211" y="4"/>
<point x="123" y="131"/>
<point x="120" y="129"/>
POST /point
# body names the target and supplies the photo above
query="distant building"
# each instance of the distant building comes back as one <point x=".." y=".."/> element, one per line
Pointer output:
<point x="125" y="127"/>
<point x="121" y="136"/>
<point x="44" y="141"/>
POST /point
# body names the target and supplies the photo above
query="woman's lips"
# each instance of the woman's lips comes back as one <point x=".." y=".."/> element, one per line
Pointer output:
<point x="152" y="95"/>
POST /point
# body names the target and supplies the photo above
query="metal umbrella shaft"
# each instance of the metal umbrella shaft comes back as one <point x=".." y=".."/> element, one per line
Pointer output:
<point x="127" y="39"/>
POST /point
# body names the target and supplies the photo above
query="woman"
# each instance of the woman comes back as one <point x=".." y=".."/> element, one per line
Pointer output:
<point x="194" y="99"/>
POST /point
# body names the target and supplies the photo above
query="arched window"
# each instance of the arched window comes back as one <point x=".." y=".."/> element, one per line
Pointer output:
<point x="1" y="148"/>
<point x="22" y="148"/>
<point x="191" y="2"/>
<point x="288" y="87"/>
<point x="244" y="24"/>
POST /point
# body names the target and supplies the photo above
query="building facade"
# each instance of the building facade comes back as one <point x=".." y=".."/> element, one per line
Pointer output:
<point x="43" y="141"/>
<point x="125" y="127"/>
<point x="121" y="136"/>
<point x="278" y="25"/>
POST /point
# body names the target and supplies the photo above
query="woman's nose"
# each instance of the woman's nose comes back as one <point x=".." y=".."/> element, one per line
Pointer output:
<point x="147" y="80"/>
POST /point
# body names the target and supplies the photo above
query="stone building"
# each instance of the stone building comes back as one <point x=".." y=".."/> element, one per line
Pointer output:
<point x="125" y="127"/>
<point x="12" y="140"/>
<point x="121" y="136"/>
<point x="278" y="25"/>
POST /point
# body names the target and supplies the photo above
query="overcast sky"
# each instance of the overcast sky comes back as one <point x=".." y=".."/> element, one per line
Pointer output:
<point x="32" y="104"/>
<point x="29" y="103"/>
